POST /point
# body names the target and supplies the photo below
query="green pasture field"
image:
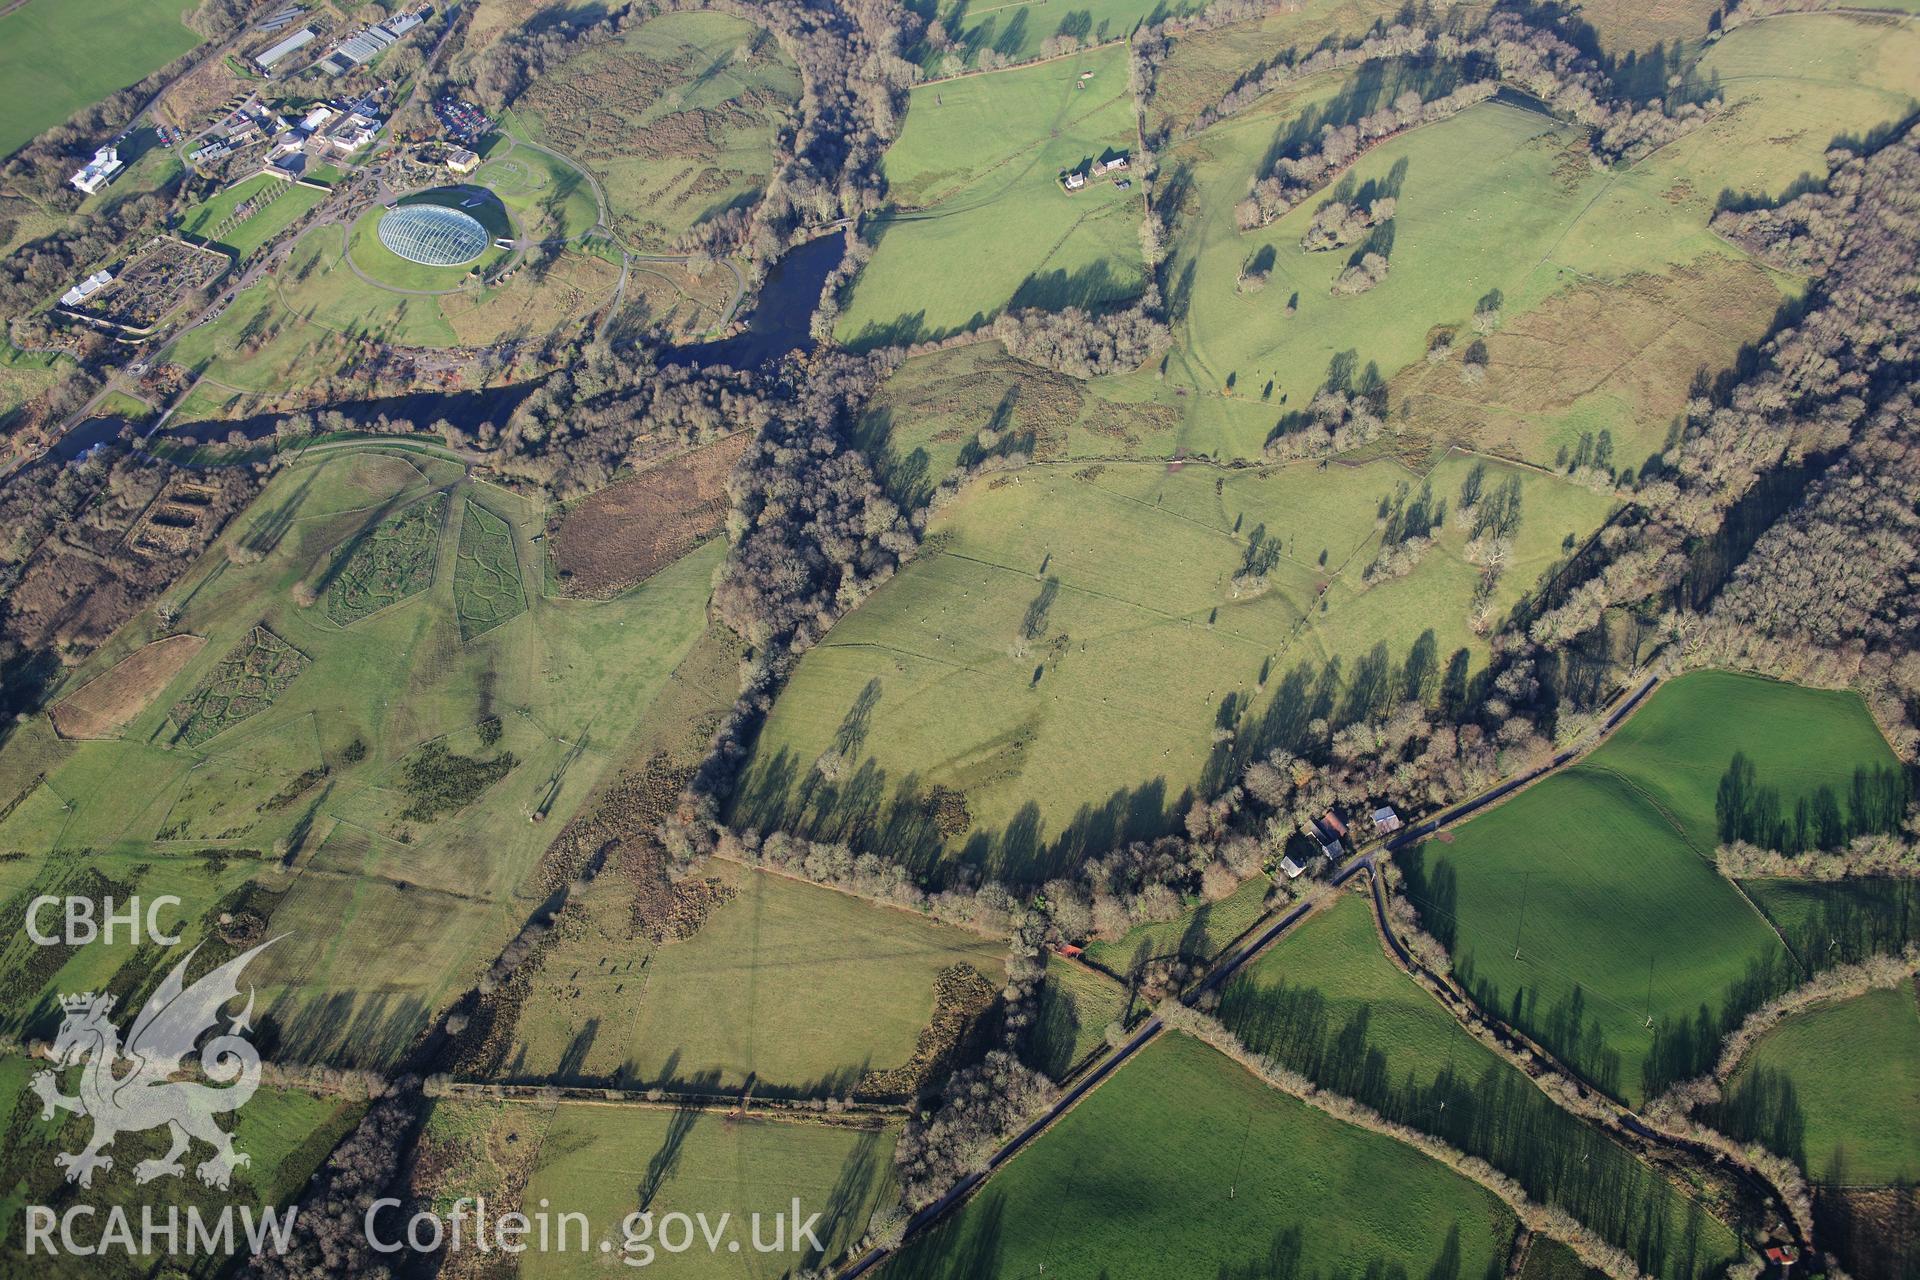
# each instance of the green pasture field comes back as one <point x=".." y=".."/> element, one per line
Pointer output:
<point x="1675" y="295"/>
<point x="120" y="405"/>
<point x="1548" y="1259"/>
<point x="981" y="221"/>
<point x="223" y="798"/>
<point x="1078" y="714"/>
<point x="28" y="1005"/>
<point x="926" y="418"/>
<point x="486" y="578"/>
<point x="606" y="1161"/>
<point x="385" y="916"/>
<point x="1599" y="881"/>
<point x="680" y="722"/>
<point x="286" y="1133"/>
<point x="1794" y="85"/>
<point x="203" y="403"/>
<point x="393" y="561"/>
<point x="1185" y="1164"/>
<point x="151" y="169"/>
<point x="1627" y="27"/>
<point x="1581" y="912"/>
<point x="297" y="327"/>
<point x="677" y="119"/>
<point x="1676" y="748"/>
<point x="1077" y="1004"/>
<point x="1855" y="1070"/>
<point x="798" y="988"/>
<point x="23" y="375"/>
<point x="287" y="201"/>
<point x="1015" y="31"/>
<point x="24" y="217"/>
<point x="1202" y="931"/>
<point x="1338" y="952"/>
<point x="1796" y="907"/>
<point x="1491" y="165"/>
<point x="241" y="685"/>
<point x="57" y="58"/>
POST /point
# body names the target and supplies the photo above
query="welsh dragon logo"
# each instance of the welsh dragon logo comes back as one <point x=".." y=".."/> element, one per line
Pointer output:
<point x="145" y="1095"/>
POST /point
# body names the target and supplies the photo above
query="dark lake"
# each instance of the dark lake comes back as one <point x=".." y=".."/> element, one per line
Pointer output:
<point x="88" y="435"/>
<point x="779" y="323"/>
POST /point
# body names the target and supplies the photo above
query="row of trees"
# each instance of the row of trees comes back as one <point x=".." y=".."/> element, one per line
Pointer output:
<point x="1498" y="1115"/>
<point x="1851" y="924"/>
<point x="1337" y="224"/>
<point x="329" y="1236"/>
<point x="1407" y="530"/>
<point x="1751" y="812"/>
<point x="980" y="1107"/>
<point x="1086" y="344"/>
<point x="1399" y="40"/>
<point x="1311" y="165"/>
<point x="1508" y="50"/>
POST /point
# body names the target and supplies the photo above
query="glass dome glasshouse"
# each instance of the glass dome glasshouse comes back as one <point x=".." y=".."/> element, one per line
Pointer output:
<point x="433" y="235"/>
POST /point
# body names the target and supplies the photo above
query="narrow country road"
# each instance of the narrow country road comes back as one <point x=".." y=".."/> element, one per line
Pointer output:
<point x="1228" y="965"/>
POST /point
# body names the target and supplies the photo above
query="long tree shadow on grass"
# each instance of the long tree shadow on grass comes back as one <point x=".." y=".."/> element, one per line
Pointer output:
<point x="839" y="1218"/>
<point x="573" y="1059"/>
<point x="862" y="806"/>
<point x="1090" y="288"/>
<point x="965" y="1247"/>
<point x="1495" y="1114"/>
<point x="1765" y="1108"/>
<point x="1373" y="86"/>
<point x="341" y="1028"/>
<point x="264" y="534"/>
<point x="905" y="330"/>
<point x="1046" y="1045"/>
<point x="907" y="478"/>
<point x="661" y="1163"/>
<point x="338" y="558"/>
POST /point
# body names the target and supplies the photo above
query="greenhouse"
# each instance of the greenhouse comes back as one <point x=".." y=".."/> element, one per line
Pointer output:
<point x="433" y="235"/>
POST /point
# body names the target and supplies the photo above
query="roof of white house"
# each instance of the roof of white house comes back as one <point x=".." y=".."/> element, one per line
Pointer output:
<point x="98" y="171"/>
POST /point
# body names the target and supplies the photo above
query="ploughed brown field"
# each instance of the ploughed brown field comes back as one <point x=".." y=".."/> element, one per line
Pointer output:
<point x="635" y="527"/>
<point x="104" y="705"/>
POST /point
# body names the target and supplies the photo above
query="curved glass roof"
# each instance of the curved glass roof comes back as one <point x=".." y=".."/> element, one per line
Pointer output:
<point x="433" y="235"/>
